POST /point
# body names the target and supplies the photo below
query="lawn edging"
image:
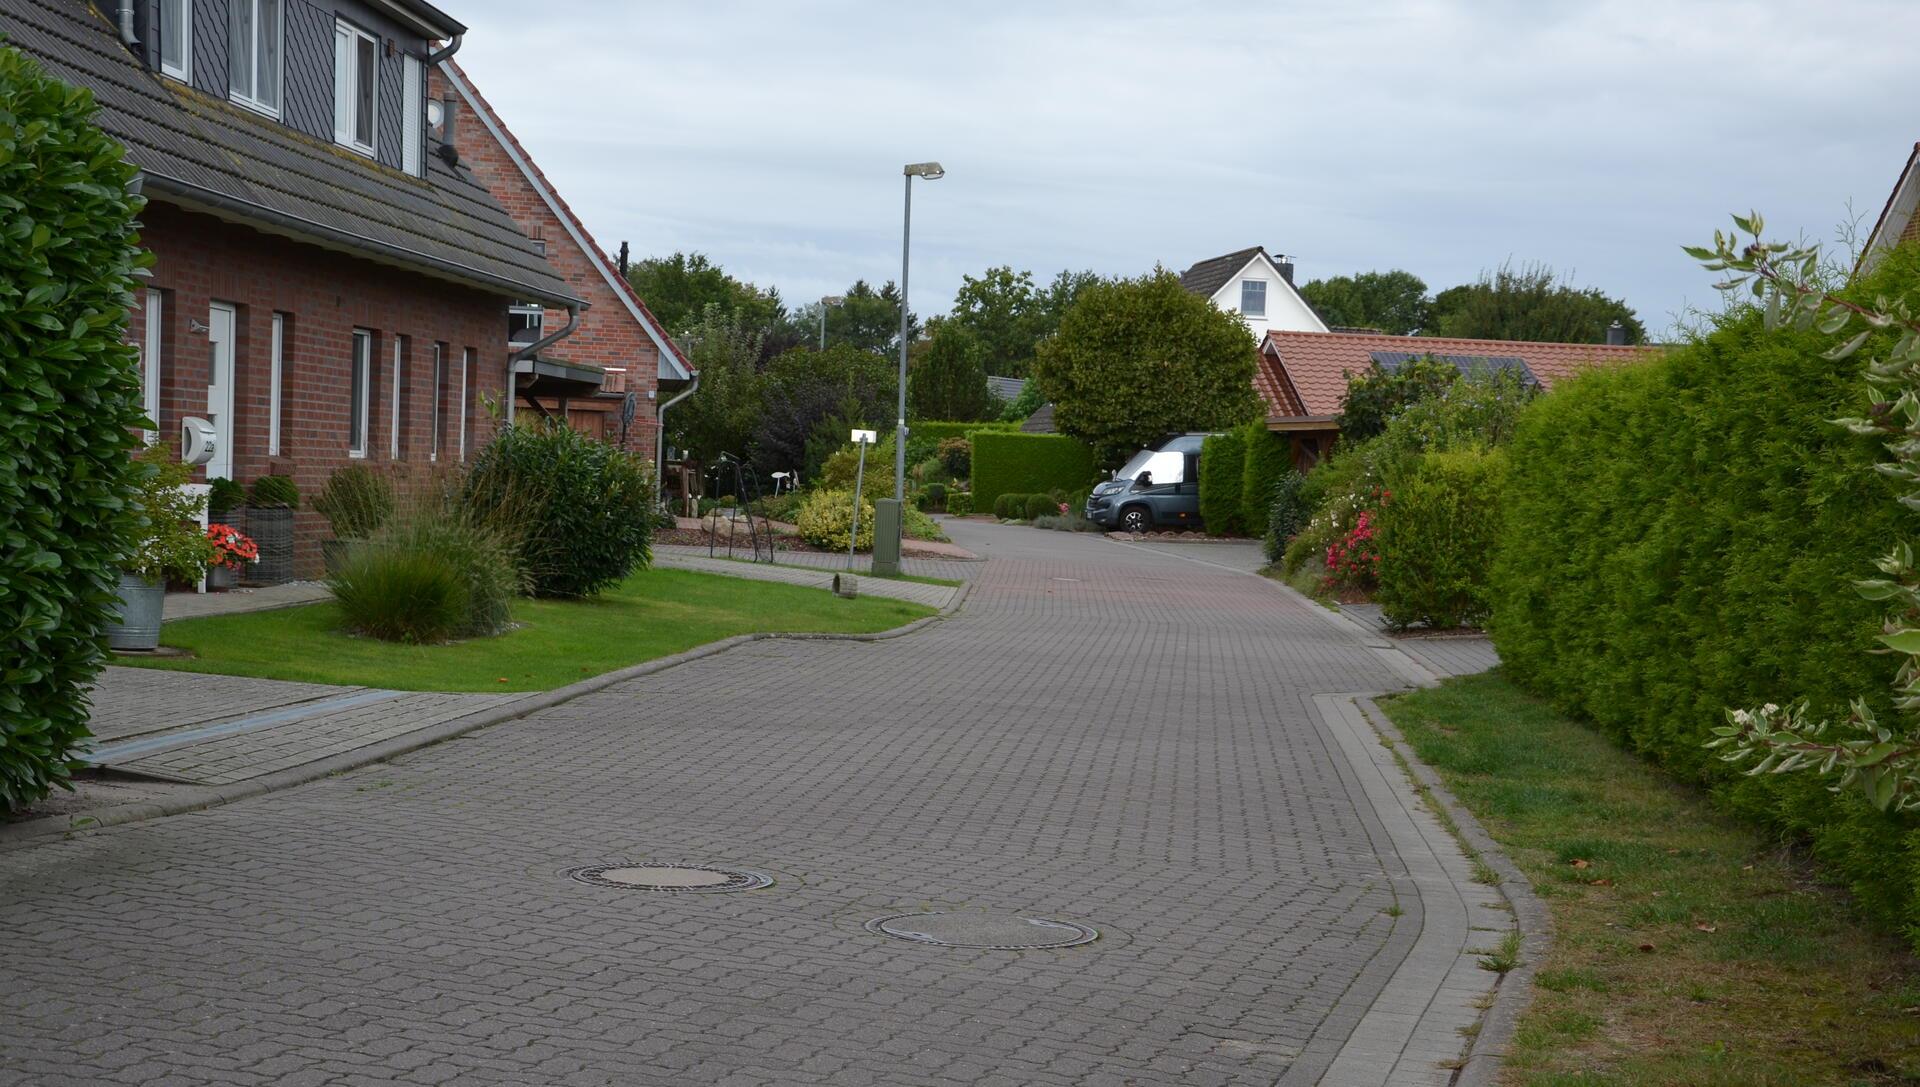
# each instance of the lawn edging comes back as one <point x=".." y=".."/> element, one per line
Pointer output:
<point x="16" y="835"/>
<point x="1481" y="1064"/>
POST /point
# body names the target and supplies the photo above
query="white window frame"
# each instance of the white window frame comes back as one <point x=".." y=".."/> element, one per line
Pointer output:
<point x="1262" y="285"/>
<point x="151" y="337"/>
<point x="466" y="368"/>
<point x="393" y="424"/>
<point x="251" y="98"/>
<point x="346" y="85"/>
<point x="439" y="394"/>
<point x="184" y="70"/>
<point x="413" y="103"/>
<point x="276" y="375"/>
<point x="360" y="401"/>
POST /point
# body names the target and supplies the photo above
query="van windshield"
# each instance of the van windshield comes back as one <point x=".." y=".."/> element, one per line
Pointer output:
<point x="1132" y="468"/>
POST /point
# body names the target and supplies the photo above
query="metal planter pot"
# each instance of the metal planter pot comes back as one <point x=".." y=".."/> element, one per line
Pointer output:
<point x="221" y="578"/>
<point x="141" y="605"/>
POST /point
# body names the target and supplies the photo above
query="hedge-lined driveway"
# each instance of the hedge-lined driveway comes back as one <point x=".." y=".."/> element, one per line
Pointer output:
<point x="1105" y="734"/>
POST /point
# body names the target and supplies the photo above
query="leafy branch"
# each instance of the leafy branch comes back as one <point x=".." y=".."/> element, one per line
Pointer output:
<point x="1879" y="760"/>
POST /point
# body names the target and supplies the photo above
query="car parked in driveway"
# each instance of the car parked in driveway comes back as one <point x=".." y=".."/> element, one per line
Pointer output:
<point x="1158" y="487"/>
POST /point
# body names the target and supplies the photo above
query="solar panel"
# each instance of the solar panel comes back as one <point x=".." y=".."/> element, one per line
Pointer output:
<point x="1469" y="365"/>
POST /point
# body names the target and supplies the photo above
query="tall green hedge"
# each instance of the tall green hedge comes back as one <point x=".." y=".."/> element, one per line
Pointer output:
<point x="1010" y="462"/>
<point x="934" y="430"/>
<point x="1223" y="462"/>
<point x="1680" y="537"/>
<point x="1269" y="459"/>
<point x="69" y="412"/>
<point x="1435" y="536"/>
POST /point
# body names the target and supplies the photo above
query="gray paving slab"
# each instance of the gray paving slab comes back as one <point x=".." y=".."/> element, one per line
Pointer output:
<point x="135" y="701"/>
<point x="1103" y="734"/>
<point x="234" y="601"/>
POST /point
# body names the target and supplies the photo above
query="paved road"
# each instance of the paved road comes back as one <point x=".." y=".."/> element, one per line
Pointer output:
<point x="1105" y="734"/>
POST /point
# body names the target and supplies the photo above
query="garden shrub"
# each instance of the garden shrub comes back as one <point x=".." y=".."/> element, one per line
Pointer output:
<point x="1011" y="462"/>
<point x="826" y="519"/>
<point x="274" y="492"/>
<point x="959" y="503"/>
<point x="72" y="416"/>
<point x="356" y="501"/>
<point x="842" y="467"/>
<point x="937" y="431"/>
<point x="935" y="496"/>
<point x="439" y="568"/>
<point x="1436" y="539"/>
<point x="400" y="594"/>
<point x="1009" y="507"/>
<point x="223" y="497"/>
<point x="1268" y="460"/>
<point x="1681" y="535"/>
<point x="915" y="525"/>
<point x="1286" y="514"/>
<point x="581" y="508"/>
<point x="956" y="456"/>
<point x="1039" y="505"/>
<point x="1223" y="464"/>
<point x="166" y="541"/>
<point x="1376" y="395"/>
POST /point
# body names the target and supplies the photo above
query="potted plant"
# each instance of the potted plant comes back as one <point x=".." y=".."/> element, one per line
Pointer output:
<point x="166" y="544"/>
<point x="356" y="501"/>
<point x="232" y="550"/>
<point x="271" y="501"/>
<point x="223" y="497"/>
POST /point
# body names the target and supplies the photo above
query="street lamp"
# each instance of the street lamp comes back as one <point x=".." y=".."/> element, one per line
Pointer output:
<point x="829" y="300"/>
<point x="888" y="562"/>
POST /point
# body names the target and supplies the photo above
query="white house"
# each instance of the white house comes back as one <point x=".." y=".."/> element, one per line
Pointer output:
<point x="1258" y="288"/>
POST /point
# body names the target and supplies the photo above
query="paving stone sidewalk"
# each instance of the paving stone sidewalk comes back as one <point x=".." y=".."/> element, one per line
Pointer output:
<point x="1104" y="735"/>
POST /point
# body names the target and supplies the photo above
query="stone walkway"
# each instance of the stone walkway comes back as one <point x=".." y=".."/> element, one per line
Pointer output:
<point x="1106" y="734"/>
<point x="818" y="575"/>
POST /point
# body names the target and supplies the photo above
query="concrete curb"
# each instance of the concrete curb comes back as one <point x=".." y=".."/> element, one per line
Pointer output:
<point x="19" y="835"/>
<point x="1535" y="923"/>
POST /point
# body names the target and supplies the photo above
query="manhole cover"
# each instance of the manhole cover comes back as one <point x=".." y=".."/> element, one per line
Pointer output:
<point x="684" y="878"/>
<point x="989" y="931"/>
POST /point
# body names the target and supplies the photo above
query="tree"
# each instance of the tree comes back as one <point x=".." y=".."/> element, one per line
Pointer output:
<point x="866" y="319"/>
<point x="1010" y="315"/>
<point x="1375" y="397"/>
<point x="680" y="288"/>
<point x="802" y="388"/>
<point x="1137" y="359"/>
<point x="947" y="377"/>
<point x="1029" y="401"/>
<point x="1530" y="303"/>
<point x="725" y="347"/>
<point x="1394" y="302"/>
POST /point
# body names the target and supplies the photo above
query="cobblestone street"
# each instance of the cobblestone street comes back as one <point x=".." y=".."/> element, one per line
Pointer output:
<point x="1104" y="734"/>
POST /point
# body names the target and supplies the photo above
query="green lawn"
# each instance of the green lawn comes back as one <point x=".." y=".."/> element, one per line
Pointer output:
<point x="1689" y="948"/>
<point x="652" y="614"/>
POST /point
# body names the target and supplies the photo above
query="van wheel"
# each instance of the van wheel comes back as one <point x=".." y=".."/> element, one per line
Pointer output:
<point x="1136" y="519"/>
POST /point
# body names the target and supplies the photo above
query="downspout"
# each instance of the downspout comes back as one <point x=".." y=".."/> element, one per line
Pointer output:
<point x="527" y="352"/>
<point x="660" y="422"/>
<point x="439" y="55"/>
<point x="125" y="14"/>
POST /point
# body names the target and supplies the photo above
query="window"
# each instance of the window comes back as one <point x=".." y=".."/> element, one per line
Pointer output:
<point x="413" y="101"/>
<point x="523" y="323"/>
<point x="356" y="86"/>
<point x="150" y="362"/>
<point x="399" y="403"/>
<point x="176" y="38"/>
<point x="276" y="378"/>
<point x="466" y="368"/>
<point x="439" y="396"/>
<point x="253" y="58"/>
<point x="1253" y="297"/>
<point x="359" y="393"/>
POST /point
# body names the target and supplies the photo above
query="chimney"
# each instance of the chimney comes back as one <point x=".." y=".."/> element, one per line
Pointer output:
<point x="1616" y="335"/>
<point x="1285" y="264"/>
<point x="449" y="115"/>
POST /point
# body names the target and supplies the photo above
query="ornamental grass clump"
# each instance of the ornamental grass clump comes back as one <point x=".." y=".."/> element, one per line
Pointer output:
<point x="437" y="570"/>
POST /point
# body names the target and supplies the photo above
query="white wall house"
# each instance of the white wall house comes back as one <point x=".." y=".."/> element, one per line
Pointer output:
<point x="1255" y="286"/>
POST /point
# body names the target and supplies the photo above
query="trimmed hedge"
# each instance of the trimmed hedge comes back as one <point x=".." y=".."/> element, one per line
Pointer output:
<point x="1010" y="462"/>
<point x="1269" y="459"/>
<point x="1223" y="463"/>
<point x="68" y="508"/>
<point x="1040" y="505"/>
<point x="1434" y="539"/>
<point x="1680" y="537"/>
<point x="938" y="430"/>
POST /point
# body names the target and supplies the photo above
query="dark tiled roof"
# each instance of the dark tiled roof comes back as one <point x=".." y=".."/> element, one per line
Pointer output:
<point x="1208" y="276"/>
<point x="1006" y="388"/>
<point x="1040" y="422"/>
<point x="213" y="156"/>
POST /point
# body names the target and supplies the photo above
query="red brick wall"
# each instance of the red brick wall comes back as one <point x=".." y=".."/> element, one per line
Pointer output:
<point x="325" y="296"/>
<point x="609" y="335"/>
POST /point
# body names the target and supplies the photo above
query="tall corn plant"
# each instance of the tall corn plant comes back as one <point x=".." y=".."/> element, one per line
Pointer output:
<point x="1879" y="758"/>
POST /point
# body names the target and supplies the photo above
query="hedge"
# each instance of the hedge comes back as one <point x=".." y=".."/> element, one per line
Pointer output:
<point x="1434" y="539"/>
<point x="72" y="416"/>
<point x="1223" y="462"/>
<point x="1680" y="537"/>
<point x="1011" y="462"/>
<point x="1269" y="459"/>
<point x="936" y="430"/>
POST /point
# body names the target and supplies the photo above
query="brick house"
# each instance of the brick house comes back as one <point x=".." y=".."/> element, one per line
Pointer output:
<point x="1897" y="222"/>
<point x="617" y="336"/>
<point x="1302" y="376"/>
<point x="330" y="285"/>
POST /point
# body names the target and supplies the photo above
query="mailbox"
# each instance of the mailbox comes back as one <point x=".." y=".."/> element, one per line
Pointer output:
<point x="197" y="440"/>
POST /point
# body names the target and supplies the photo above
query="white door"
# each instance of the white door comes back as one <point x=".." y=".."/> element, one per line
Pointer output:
<point x="220" y="335"/>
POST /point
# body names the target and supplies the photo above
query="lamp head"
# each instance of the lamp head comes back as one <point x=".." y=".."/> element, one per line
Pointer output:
<point x="926" y="171"/>
<point x="833" y="300"/>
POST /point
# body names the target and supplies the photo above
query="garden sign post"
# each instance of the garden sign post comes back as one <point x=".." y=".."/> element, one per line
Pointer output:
<point x="861" y="438"/>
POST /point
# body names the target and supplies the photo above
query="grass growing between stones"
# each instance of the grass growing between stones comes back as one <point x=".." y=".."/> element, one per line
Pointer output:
<point x="1689" y="948"/>
<point x="654" y="613"/>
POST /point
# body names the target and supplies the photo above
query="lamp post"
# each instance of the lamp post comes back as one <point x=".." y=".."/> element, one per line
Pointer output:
<point x="829" y="300"/>
<point x="887" y="523"/>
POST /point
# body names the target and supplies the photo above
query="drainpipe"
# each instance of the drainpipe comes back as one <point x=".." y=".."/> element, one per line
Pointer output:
<point x="527" y="352"/>
<point x="660" y="423"/>
<point x="443" y="53"/>
<point x="127" y="36"/>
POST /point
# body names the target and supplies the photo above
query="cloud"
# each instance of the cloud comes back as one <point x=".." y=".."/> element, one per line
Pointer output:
<point x="1440" y="137"/>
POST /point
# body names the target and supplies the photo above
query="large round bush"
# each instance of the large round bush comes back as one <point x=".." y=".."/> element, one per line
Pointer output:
<point x="826" y="520"/>
<point x="1436" y="539"/>
<point x="580" y="510"/>
<point x="72" y="414"/>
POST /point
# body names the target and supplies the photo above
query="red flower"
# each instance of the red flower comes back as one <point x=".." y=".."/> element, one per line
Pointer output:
<point x="231" y="547"/>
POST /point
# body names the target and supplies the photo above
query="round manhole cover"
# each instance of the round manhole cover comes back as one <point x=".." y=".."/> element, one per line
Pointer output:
<point x="657" y="876"/>
<point x="988" y="931"/>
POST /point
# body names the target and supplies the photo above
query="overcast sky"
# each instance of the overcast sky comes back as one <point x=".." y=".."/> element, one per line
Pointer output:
<point x="1439" y="136"/>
